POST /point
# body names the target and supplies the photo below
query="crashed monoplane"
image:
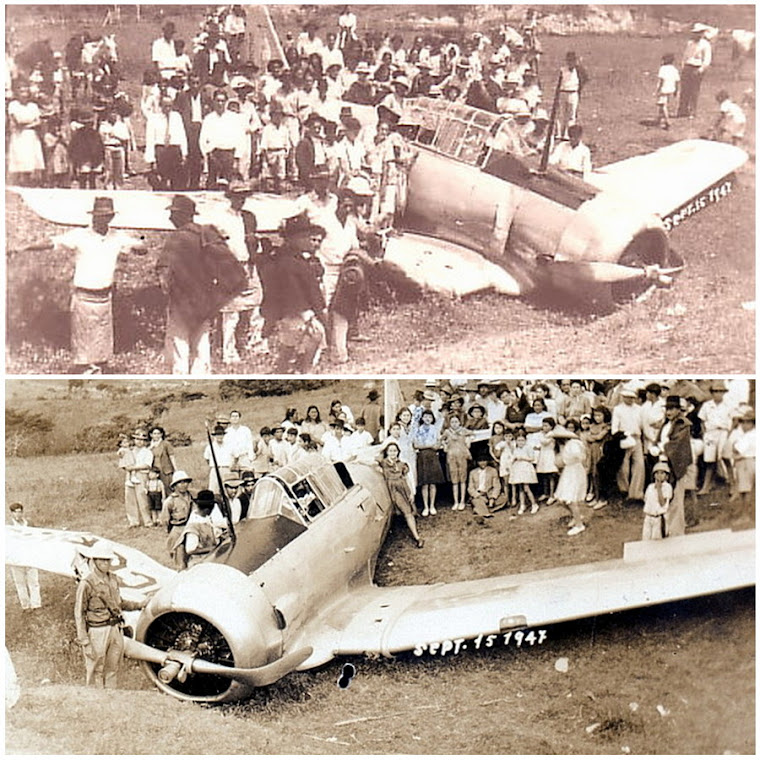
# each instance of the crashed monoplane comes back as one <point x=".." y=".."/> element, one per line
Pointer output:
<point x="292" y="588"/>
<point x="483" y="211"/>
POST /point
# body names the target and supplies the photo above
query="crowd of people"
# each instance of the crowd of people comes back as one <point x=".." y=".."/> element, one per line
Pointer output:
<point x="211" y="115"/>
<point x="514" y="446"/>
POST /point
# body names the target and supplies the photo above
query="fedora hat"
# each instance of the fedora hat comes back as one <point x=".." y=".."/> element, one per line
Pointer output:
<point x="476" y="406"/>
<point x="238" y="187"/>
<point x="182" y="204"/>
<point x="180" y="476"/>
<point x="218" y="430"/>
<point x="233" y="482"/>
<point x="718" y="385"/>
<point x="102" y="207"/>
<point x="205" y="499"/>
<point x="300" y="225"/>
<point x="363" y="68"/>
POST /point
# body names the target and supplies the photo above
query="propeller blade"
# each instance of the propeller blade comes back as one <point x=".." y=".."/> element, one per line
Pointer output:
<point x="255" y="677"/>
<point x="609" y="272"/>
<point x="262" y="676"/>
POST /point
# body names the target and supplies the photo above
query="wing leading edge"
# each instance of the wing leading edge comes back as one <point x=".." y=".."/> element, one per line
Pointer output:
<point x="666" y="181"/>
<point x="391" y="620"/>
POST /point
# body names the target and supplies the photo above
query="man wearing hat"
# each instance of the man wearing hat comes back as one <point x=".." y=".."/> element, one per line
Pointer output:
<point x="137" y="466"/>
<point x="293" y="303"/>
<point x="626" y="419"/>
<point x="362" y="91"/>
<point x="573" y="77"/>
<point x="232" y="490"/>
<point x="248" y="480"/>
<point x="26" y="579"/>
<point x="96" y="251"/>
<point x="696" y="59"/>
<point x="200" y="536"/>
<point x="336" y="446"/>
<point x="717" y="416"/>
<point x="98" y="617"/>
<point x="199" y="274"/>
<point x="674" y="445"/>
<point x="224" y="458"/>
<point x="166" y="146"/>
<point x="176" y="511"/>
<point x="241" y="314"/>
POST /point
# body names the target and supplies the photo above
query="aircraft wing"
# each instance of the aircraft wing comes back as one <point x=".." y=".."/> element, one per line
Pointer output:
<point x="57" y="551"/>
<point x="676" y="181"/>
<point x="146" y="210"/>
<point x="443" y="618"/>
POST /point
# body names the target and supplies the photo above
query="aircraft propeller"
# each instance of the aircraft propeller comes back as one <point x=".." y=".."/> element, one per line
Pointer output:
<point x="178" y="665"/>
<point x="609" y="272"/>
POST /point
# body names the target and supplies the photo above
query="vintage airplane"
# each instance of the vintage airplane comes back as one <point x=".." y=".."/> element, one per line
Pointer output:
<point x="292" y="588"/>
<point x="483" y="212"/>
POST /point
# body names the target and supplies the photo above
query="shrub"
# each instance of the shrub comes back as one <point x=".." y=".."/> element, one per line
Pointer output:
<point x="236" y="389"/>
<point x="26" y="433"/>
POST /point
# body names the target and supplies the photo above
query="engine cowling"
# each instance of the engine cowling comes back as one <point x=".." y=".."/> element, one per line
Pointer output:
<point x="218" y="615"/>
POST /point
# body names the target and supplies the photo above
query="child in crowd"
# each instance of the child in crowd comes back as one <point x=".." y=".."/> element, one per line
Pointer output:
<point x="57" y="164"/>
<point x="496" y="441"/>
<point x="598" y="431"/>
<point x="455" y="442"/>
<point x="156" y="494"/>
<point x="262" y="462"/>
<point x="361" y="437"/>
<point x="395" y="473"/>
<point x="656" y="502"/>
<point x="546" y="464"/>
<point x="505" y="467"/>
<point x="523" y="473"/>
<point x="113" y="134"/>
<point x="744" y="462"/>
<point x="668" y="79"/>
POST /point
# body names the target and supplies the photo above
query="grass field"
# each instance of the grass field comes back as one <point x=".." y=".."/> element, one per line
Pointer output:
<point x="694" y="659"/>
<point x="697" y="326"/>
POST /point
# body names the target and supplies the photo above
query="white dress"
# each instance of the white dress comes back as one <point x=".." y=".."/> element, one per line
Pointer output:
<point x="572" y="481"/>
<point x="25" y="147"/>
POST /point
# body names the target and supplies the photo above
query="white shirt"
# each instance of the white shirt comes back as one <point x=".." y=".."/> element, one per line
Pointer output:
<point x="669" y="78"/>
<point x="240" y="440"/>
<point x="652" y="504"/>
<point x="163" y="53"/>
<point x="95" y="255"/>
<point x="223" y="131"/>
<point x="335" y="450"/>
<point x="698" y="53"/>
<point x="627" y="419"/>
<point x="734" y="121"/>
<point x="280" y="451"/>
<point x="163" y="130"/>
<point x="224" y="454"/>
<point x="716" y="416"/>
<point x="652" y="417"/>
<point x="572" y="159"/>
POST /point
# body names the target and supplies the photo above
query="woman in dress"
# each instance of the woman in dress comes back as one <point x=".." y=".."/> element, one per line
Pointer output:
<point x="426" y="441"/>
<point x="25" y="158"/>
<point x="313" y="424"/>
<point x="395" y="473"/>
<point x="340" y="412"/>
<point x="403" y="436"/>
<point x="163" y="456"/>
<point x="571" y="488"/>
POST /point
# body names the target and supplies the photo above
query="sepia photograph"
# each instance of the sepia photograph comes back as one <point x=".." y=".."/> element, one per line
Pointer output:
<point x="450" y="565"/>
<point x="341" y="190"/>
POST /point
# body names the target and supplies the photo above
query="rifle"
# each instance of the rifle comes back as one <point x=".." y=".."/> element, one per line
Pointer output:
<point x="550" y="134"/>
<point x="226" y="510"/>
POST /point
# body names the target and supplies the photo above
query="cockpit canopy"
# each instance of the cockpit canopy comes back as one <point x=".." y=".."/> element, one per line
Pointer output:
<point x="462" y="132"/>
<point x="283" y="505"/>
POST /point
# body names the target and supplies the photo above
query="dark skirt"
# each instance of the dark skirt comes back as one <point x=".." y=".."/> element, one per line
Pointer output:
<point x="429" y="470"/>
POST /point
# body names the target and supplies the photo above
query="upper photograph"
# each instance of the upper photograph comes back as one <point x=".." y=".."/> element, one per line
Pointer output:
<point x="408" y="189"/>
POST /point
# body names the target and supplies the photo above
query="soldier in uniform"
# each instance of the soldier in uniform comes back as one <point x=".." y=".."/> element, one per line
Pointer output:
<point x="98" y="617"/>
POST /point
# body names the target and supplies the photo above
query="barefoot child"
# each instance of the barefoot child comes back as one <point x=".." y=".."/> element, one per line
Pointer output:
<point x="667" y="87"/>
<point x="744" y="462"/>
<point x="156" y="494"/>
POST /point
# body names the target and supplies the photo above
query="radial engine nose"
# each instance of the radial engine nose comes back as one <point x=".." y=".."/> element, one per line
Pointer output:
<point x="208" y="620"/>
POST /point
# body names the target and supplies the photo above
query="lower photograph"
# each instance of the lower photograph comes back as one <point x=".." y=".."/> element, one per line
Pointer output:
<point x="380" y="566"/>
